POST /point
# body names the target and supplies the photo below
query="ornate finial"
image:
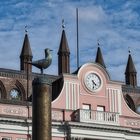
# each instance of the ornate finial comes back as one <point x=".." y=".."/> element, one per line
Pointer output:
<point x="98" y="42"/>
<point x="63" y="24"/>
<point x="129" y="51"/>
<point x="26" y="28"/>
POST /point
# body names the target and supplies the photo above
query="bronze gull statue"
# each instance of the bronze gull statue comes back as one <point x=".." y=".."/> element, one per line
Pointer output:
<point x="44" y="63"/>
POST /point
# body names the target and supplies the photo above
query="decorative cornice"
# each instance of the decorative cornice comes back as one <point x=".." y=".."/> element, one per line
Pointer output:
<point x="23" y="75"/>
<point x="15" y="121"/>
<point x="14" y="102"/>
<point x="108" y="128"/>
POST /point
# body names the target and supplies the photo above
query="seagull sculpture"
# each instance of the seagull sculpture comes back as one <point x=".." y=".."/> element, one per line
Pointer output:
<point x="44" y="63"/>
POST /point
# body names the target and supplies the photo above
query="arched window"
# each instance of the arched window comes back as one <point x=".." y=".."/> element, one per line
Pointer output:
<point x="130" y="102"/>
<point x="15" y="94"/>
<point x="21" y="90"/>
<point x="3" y="94"/>
<point x="0" y="93"/>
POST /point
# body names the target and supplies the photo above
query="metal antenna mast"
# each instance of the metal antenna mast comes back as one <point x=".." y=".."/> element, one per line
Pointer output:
<point x="77" y="37"/>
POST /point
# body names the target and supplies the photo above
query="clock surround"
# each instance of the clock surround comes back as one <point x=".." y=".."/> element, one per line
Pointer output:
<point x="92" y="81"/>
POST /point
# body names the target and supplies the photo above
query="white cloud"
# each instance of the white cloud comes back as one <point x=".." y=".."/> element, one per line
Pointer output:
<point x="115" y="23"/>
<point x="92" y="14"/>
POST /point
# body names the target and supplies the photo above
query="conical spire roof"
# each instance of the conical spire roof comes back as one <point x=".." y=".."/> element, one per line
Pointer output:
<point x="26" y="49"/>
<point x="130" y="68"/>
<point x="63" y="48"/>
<point x="99" y="58"/>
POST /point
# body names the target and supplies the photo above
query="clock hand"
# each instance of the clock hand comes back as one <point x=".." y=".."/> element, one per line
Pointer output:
<point x="93" y="82"/>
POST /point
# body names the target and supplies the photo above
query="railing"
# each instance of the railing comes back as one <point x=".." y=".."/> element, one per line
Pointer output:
<point x="92" y="116"/>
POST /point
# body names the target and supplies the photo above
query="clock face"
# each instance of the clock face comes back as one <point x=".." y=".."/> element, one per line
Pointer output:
<point x="92" y="81"/>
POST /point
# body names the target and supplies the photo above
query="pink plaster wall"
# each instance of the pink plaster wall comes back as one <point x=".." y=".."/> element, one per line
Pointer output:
<point x="13" y="136"/>
<point x="87" y="97"/>
<point x="15" y="110"/>
<point x="60" y="101"/>
<point x="99" y="98"/>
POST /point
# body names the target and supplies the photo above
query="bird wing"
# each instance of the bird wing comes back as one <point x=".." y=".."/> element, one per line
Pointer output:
<point x="43" y="63"/>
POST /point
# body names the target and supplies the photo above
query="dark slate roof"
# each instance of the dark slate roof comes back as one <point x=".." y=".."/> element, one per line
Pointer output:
<point x="26" y="49"/>
<point x="130" y="68"/>
<point x="130" y="89"/>
<point x="63" y="48"/>
<point x="99" y="58"/>
<point x="77" y="70"/>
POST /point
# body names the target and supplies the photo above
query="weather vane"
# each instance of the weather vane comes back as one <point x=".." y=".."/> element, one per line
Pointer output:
<point x="98" y="42"/>
<point x="129" y="51"/>
<point x="63" y="23"/>
<point x="26" y="28"/>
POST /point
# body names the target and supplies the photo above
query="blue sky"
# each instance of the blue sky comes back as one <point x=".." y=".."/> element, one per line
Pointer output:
<point x="116" y="23"/>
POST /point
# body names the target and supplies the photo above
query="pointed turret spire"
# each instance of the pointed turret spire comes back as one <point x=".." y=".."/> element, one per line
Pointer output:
<point x="63" y="54"/>
<point x="130" y="72"/>
<point x="99" y="58"/>
<point x="26" y="55"/>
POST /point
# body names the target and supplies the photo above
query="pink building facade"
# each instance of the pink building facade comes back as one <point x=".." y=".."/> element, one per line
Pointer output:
<point x="89" y="106"/>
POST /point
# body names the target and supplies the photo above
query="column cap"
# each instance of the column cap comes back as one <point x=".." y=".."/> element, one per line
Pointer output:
<point x="42" y="80"/>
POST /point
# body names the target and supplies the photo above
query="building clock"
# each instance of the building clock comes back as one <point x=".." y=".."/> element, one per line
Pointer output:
<point x="92" y="81"/>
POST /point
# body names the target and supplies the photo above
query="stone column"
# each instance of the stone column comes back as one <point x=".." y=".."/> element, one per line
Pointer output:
<point x="41" y="121"/>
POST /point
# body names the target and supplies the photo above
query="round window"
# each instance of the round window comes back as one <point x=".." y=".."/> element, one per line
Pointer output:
<point x="15" y="94"/>
<point x="138" y="109"/>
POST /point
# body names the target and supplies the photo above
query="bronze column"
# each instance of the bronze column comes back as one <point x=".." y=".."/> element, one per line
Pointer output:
<point x="41" y="121"/>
